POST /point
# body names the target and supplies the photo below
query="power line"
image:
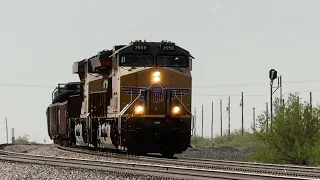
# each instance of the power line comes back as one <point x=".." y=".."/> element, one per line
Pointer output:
<point x="214" y="86"/>
<point x="226" y="95"/>
<point x="27" y="85"/>
<point x="255" y="84"/>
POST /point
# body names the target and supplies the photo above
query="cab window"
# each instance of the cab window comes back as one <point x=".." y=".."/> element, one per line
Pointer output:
<point x="141" y="60"/>
<point x="172" y="61"/>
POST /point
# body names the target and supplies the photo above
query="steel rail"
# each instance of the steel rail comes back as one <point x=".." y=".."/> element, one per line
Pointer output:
<point x="135" y="168"/>
<point x="264" y="168"/>
<point x="301" y="171"/>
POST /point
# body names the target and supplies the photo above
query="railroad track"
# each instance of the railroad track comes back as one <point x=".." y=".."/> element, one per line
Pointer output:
<point x="138" y="168"/>
<point x="261" y="168"/>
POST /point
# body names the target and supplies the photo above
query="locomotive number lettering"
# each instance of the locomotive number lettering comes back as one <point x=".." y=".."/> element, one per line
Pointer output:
<point x="140" y="47"/>
<point x="167" y="48"/>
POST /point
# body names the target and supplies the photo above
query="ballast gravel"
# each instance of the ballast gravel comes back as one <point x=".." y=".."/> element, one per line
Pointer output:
<point x="221" y="153"/>
<point x="18" y="171"/>
<point x="34" y="171"/>
<point x="24" y="148"/>
<point x="24" y="171"/>
<point x="51" y="150"/>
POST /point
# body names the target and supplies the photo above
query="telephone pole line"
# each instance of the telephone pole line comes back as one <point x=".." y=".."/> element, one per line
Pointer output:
<point x="311" y="110"/>
<point x="202" y="122"/>
<point x="195" y="122"/>
<point x="211" y="120"/>
<point x="221" y="117"/>
<point x="229" y="118"/>
<point x="13" y="140"/>
<point x="254" y="119"/>
<point x="241" y="104"/>
<point x="7" y="130"/>
<point x="280" y="86"/>
<point x="310" y="95"/>
<point x="267" y="117"/>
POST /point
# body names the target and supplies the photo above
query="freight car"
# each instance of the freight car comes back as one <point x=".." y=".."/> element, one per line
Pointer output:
<point x="135" y="98"/>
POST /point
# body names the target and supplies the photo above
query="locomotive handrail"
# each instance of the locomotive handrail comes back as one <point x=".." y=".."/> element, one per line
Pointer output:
<point x="175" y="94"/>
<point x="188" y="112"/>
<point x="128" y="106"/>
<point x="122" y="112"/>
<point x="125" y="108"/>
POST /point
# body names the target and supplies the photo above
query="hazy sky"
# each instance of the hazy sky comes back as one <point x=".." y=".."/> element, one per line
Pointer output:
<point x="233" y="42"/>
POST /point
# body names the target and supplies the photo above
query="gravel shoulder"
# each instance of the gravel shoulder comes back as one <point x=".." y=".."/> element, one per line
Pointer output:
<point x="15" y="171"/>
<point x="221" y="153"/>
<point x="18" y="171"/>
<point x="50" y="150"/>
<point x="24" y="148"/>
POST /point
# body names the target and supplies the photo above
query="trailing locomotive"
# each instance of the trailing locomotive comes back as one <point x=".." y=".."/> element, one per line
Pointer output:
<point x="135" y="97"/>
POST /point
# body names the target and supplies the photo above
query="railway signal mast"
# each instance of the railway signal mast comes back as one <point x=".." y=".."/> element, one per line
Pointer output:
<point x="273" y="74"/>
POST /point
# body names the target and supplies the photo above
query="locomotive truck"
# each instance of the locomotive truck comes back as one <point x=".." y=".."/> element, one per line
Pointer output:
<point x="135" y="98"/>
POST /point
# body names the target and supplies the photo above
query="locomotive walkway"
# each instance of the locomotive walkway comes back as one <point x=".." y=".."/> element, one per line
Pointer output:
<point x="169" y="171"/>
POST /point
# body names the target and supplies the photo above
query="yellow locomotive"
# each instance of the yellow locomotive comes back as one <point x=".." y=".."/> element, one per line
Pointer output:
<point x="135" y="97"/>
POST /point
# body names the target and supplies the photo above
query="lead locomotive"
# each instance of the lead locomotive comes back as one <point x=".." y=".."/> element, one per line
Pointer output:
<point x="135" y="97"/>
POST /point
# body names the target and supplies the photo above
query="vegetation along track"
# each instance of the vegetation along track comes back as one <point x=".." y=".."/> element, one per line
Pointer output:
<point x="133" y="168"/>
<point x="260" y="168"/>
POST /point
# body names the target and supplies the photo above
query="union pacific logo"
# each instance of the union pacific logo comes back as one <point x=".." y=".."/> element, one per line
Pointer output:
<point x="158" y="92"/>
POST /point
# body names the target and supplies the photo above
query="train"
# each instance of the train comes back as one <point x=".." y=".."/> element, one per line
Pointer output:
<point x="134" y="98"/>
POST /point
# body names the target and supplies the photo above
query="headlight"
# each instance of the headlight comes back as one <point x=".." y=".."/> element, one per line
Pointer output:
<point x="139" y="109"/>
<point x="156" y="77"/>
<point x="156" y="74"/>
<point x="176" y="110"/>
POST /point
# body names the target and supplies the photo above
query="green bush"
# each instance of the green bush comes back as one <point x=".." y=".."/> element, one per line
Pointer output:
<point x="24" y="141"/>
<point x="294" y="137"/>
<point x="202" y="142"/>
<point x="236" y="140"/>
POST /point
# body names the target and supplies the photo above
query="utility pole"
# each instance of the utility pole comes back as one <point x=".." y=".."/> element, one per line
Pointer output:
<point x="195" y="122"/>
<point x="221" y="117"/>
<point x="202" y="123"/>
<point x="13" y="140"/>
<point x="228" y="109"/>
<point x="280" y="86"/>
<point x="211" y="120"/>
<point x="241" y="104"/>
<point x="254" y="119"/>
<point x="7" y="130"/>
<point x="267" y="117"/>
<point x="310" y="94"/>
